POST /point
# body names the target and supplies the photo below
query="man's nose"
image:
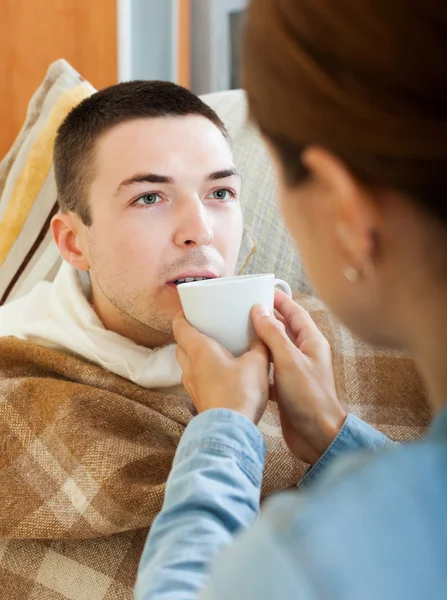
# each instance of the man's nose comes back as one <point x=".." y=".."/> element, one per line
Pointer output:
<point x="194" y="225"/>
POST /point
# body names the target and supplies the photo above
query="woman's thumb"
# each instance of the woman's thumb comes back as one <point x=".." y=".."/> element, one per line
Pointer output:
<point x="270" y="331"/>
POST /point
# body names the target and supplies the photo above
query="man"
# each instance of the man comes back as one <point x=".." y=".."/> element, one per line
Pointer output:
<point x="92" y="406"/>
<point x="149" y="196"/>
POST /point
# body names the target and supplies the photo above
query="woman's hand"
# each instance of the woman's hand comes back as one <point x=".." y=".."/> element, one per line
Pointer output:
<point x="311" y="414"/>
<point x="215" y="379"/>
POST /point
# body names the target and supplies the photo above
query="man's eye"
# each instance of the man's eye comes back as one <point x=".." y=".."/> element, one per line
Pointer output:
<point x="223" y="194"/>
<point x="148" y="199"/>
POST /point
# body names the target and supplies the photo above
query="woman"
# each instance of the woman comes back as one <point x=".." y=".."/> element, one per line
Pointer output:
<point x="351" y="97"/>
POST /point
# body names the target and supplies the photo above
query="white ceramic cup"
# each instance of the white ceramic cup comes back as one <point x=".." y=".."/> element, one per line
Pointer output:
<point x="221" y="308"/>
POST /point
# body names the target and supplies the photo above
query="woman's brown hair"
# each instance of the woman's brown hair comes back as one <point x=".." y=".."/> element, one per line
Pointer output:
<point x="365" y="79"/>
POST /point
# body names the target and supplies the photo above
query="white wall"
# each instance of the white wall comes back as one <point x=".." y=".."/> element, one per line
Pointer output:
<point x="147" y="39"/>
<point x="210" y="44"/>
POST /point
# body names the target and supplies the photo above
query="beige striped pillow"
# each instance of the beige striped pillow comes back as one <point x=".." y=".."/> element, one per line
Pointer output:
<point x="27" y="187"/>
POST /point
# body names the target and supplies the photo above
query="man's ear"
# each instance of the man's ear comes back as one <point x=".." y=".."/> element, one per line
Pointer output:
<point x="66" y="230"/>
<point x="354" y="214"/>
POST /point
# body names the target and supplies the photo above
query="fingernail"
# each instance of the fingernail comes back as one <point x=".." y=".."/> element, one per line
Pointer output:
<point x="262" y="310"/>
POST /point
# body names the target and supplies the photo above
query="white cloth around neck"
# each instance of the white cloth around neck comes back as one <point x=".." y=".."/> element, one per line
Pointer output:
<point x="58" y="315"/>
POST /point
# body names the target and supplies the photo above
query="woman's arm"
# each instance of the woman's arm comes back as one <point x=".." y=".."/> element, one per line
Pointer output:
<point x="213" y="492"/>
<point x="354" y="435"/>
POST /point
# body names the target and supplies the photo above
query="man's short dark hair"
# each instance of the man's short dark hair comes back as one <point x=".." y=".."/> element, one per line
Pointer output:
<point x="77" y="136"/>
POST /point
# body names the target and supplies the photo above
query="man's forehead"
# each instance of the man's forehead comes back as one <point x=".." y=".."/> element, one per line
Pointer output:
<point x="165" y="146"/>
<point x="164" y="130"/>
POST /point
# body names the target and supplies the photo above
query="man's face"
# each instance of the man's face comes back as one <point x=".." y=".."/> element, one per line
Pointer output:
<point x="165" y="206"/>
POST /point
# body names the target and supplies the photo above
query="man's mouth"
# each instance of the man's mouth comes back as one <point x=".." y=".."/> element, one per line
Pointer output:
<point x="189" y="278"/>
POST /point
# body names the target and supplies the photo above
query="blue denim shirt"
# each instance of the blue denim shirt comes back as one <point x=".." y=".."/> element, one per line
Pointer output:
<point x="369" y="525"/>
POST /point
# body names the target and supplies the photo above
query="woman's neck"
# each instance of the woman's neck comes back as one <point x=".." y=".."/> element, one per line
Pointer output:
<point x="428" y="346"/>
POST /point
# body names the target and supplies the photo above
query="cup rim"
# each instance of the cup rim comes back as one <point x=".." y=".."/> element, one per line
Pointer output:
<point x="223" y="280"/>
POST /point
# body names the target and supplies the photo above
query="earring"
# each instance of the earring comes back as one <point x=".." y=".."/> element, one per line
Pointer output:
<point x="351" y="273"/>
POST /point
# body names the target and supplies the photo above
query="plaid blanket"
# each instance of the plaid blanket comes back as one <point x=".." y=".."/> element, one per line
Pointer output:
<point x="84" y="461"/>
<point x="85" y="456"/>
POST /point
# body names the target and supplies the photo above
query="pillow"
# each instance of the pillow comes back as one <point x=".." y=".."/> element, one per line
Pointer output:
<point x="275" y="251"/>
<point x="28" y="191"/>
<point x="27" y="187"/>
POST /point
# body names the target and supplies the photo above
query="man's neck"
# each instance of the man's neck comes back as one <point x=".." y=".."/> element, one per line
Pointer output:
<point x="140" y="334"/>
<point x="115" y="320"/>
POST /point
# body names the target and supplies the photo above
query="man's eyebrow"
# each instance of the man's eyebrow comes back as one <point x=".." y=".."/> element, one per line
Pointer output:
<point x="143" y="178"/>
<point x="154" y="178"/>
<point x="223" y="174"/>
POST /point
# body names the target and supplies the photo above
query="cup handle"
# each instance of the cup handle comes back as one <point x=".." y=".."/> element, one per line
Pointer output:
<point x="285" y="287"/>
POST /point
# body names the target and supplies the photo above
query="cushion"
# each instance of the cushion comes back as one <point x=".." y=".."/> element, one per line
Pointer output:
<point x="27" y="187"/>
<point x="28" y="190"/>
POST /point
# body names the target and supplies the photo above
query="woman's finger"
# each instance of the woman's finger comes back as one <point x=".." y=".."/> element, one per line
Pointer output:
<point x="185" y="335"/>
<point x="271" y="332"/>
<point x="282" y="320"/>
<point x="260" y="350"/>
<point x="182" y="358"/>
<point x="295" y="316"/>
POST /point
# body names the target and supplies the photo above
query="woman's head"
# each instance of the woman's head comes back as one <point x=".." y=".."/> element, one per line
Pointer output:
<point x="351" y="97"/>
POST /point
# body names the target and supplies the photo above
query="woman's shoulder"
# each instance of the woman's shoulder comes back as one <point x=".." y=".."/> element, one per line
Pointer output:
<point x="387" y="515"/>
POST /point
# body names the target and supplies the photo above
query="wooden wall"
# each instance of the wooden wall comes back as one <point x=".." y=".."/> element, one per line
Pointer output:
<point x="33" y="33"/>
<point x="184" y="43"/>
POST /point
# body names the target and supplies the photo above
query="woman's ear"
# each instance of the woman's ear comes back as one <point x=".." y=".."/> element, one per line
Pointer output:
<point x="66" y="230"/>
<point x="353" y="214"/>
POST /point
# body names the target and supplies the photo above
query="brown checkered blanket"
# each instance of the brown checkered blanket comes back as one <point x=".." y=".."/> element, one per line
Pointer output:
<point x="84" y="461"/>
<point x="85" y="455"/>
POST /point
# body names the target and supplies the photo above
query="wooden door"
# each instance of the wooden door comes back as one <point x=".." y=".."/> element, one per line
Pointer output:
<point x="34" y="33"/>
